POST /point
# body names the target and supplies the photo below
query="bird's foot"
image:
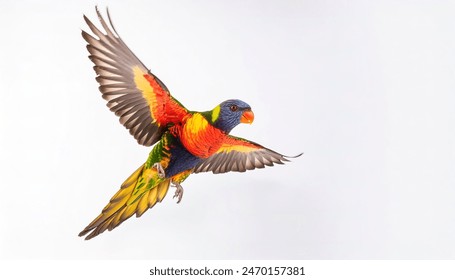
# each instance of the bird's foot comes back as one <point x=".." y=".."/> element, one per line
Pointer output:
<point x="178" y="191"/>
<point x="159" y="169"/>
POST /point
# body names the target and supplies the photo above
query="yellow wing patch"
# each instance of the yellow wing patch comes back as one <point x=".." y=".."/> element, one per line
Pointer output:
<point x="144" y="86"/>
<point x="227" y="148"/>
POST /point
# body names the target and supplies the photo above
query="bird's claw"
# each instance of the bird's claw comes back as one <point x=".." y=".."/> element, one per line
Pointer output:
<point x="159" y="169"/>
<point x="178" y="191"/>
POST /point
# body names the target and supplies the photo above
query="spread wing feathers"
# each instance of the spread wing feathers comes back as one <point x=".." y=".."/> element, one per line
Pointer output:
<point x="138" y="97"/>
<point x="237" y="154"/>
<point x="127" y="202"/>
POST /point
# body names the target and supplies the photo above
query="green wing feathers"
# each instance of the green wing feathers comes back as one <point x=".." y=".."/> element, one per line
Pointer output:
<point x="141" y="191"/>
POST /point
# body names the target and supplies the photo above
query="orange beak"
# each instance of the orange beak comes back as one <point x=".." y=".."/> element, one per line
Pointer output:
<point x="247" y="117"/>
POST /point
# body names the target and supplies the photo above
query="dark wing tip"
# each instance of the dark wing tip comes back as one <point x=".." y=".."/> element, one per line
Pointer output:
<point x="110" y="20"/>
<point x="287" y="158"/>
<point x="84" y="232"/>
<point x="97" y="10"/>
<point x="294" y="156"/>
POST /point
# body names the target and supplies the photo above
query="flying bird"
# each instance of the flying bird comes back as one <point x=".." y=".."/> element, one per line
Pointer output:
<point x="185" y="141"/>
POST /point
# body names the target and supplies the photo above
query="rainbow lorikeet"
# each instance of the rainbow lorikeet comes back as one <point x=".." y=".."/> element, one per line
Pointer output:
<point x="185" y="141"/>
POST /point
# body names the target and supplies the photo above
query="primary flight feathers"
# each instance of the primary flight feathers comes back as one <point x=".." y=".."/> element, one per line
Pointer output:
<point x="140" y="99"/>
<point x="186" y="141"/>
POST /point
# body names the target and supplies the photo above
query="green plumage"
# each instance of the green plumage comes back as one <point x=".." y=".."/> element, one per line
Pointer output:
<point x="185" y="141"/>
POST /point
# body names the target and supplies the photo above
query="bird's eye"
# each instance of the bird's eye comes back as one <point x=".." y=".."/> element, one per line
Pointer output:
<point x="234" y="108"/>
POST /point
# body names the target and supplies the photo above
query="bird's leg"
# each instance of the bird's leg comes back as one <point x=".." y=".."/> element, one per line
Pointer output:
<point x="159" y="169"/>
<point x="178" y="191"/>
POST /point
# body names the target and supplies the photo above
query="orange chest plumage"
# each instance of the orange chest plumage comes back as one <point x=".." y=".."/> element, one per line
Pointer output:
<point x="198" y="136"/>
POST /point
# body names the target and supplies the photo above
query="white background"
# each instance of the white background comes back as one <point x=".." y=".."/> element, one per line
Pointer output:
<point x="364" y="89"/>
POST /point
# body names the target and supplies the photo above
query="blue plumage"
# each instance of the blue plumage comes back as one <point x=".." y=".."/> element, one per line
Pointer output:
<point x="181" y="159"/>
<point x="230" y="114"/>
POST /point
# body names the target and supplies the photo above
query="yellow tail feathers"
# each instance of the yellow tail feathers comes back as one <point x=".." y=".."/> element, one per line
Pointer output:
<point x="141" y="191"/>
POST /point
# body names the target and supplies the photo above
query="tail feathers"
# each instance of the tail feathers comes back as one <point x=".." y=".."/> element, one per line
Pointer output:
<point x="127" y="202"/>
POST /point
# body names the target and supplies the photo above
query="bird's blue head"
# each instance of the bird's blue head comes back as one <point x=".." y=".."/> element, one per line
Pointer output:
<point x="230" y="113"/>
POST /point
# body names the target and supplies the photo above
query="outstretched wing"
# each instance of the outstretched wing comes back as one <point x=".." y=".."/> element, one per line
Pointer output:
<point x="138" y="97"/>
<point x="237" y="154"/>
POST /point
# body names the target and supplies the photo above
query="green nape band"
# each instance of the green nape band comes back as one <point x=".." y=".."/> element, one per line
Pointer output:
<point x="215" y="113"/>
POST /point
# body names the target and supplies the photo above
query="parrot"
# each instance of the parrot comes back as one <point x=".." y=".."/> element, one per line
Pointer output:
<point x="183" y="141"/>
